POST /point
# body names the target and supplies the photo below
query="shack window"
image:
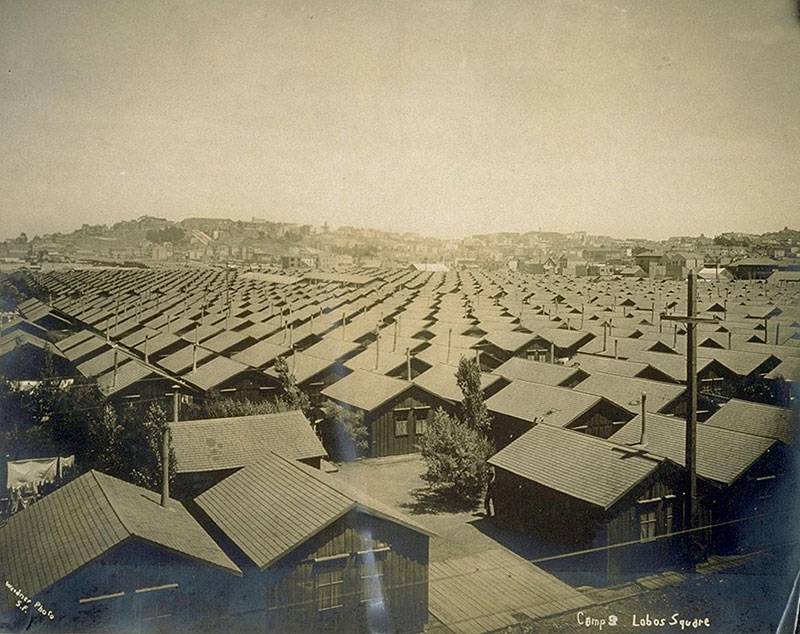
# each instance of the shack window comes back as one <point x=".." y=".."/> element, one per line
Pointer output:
<point x="421" y="420"/>
<point x="647" y="524"/>
<point x="372" y="579"/>
<point x="330" y="580"/>
<point x="401" y="423"/>
<point x="668" y="517"/>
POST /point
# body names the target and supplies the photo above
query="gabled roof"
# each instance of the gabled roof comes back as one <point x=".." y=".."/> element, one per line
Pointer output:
<point x="260" y="354"/>
<point x="386" y="360"/>
<point x="564" y="338"/>
<point x="755" y="418"/>
<point x="181" y="361"/>
<point x="788" y="369"/>
<point x="535" y="403"/>
<point x="127" y="374"/>
<point x="594" y="363"/>
<point x="578" y="465"/>
<point x="228" y="443"/>
<point x="87" y="517"/>
<point x="333" y="349"/>
<point x="215" y="372"/>
<point x="722" y="455"/>
<point x="365" y="390"/>
<point x="84" y="348"/>
<point x="305" y="366"/>
<point x="508" y="340"/>
<point x="225" y="340"/>
<point x="516" y="369"/>
<point x="441" y="381"/>
<point x="627" y="391"/>
<point x="274" y="505"/>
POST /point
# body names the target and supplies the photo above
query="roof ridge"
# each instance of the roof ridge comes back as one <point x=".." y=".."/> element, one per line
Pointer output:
<point x="108" y="499"/>
<point x="309" y="472"/>
<point x="741" y="400"/>
<point x="612" y="445"/>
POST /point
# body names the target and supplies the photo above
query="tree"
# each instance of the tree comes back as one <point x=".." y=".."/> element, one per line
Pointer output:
<point x="105" y="448"/>
<point x="141" y="437"/>
<point x="217" y="407"/>
<point x="292" y="394"/>
<point x="473" y="410"/>
<point x="60" y="418"/>
<point x="344" y="434"/>
<point x="455" y="456"/>
<point x="761" y="390"/>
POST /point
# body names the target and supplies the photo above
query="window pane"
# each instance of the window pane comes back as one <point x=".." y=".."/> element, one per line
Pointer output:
<point x="647" y="525"/>
<point x="329" y="588"/>
<point x="372" y="580"/>
<point x="401" y="428"/>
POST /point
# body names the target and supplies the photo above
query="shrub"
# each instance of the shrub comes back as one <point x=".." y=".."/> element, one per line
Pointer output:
<point x="455" y="456"/>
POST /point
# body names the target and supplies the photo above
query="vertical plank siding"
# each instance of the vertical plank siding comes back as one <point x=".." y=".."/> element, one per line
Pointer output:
<point x="292" y="600"/>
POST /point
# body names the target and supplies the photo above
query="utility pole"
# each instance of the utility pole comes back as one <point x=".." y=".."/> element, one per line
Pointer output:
<point x="165" y="447"/>
<point x="691" y="320"/>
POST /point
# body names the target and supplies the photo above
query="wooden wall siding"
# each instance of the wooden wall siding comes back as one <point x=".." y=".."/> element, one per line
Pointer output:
<point x="538" y="350"/>
<point x="492" y="357"/>
<point x="598" y="420"/>
<point x="131" y="566"/>
<point x="145" y="390"/>
<point x="506" y="429"/>
<point x="381" y="422"/>
<point x="531" y="507"/>
<point x="253" y="386"/>
<point x="401" y="371"/>
<point x="550" y="515"/>
<point x="292" y="600"/>
<point x="188" y="486"/>
<point x="315" y="384"/>
<point x="716" y="380"/>
<point x="624" y="524"/>
<point x="660" y="492"/>
<point x="766" y="488"/>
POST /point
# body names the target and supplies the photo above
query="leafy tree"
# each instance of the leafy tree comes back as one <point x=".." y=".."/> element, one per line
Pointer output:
<point x="294" y="397"/>
<point x="217" y="407"/>
<point x="141" y="437"/>
<point x="761" y="390"/>
<point x="63" y="418"/>
<point x="455" y="456"/>
<point x="105" y="449"/>
<point x="16" y="287"/>
<point x="473" y="409"/>
<point x="344" y="434"/>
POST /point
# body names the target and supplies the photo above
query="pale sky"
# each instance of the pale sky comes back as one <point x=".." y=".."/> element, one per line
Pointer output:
<point x="626" y="117"/>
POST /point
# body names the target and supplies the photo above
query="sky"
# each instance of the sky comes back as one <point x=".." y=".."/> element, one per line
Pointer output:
<point x="446" y="118"/>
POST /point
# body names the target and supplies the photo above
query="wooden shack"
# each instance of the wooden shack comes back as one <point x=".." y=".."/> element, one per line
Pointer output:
<point x="209" y="450"/>
<point x="520" y="405"/>
<point x="396" y="412"/>
<point x="101" y="554"/>
<point x="315" y="556"/>
<point x="580" y="492"/>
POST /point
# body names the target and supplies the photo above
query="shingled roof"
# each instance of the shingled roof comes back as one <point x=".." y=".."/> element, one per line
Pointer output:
<point x="85" y="518"/>
<point x="722" y="455"/>
<point x="534" y="402"/>
<point x="537" y="372"/>
<point x="273" y="505"/>
<point x="627" y="391"/>
<point x="229" y="443"/>
<point x="441" y="381"/>
<point x="581" y="466"/>
<point x="755" y="418"/>
<point x="365" y="390"/>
